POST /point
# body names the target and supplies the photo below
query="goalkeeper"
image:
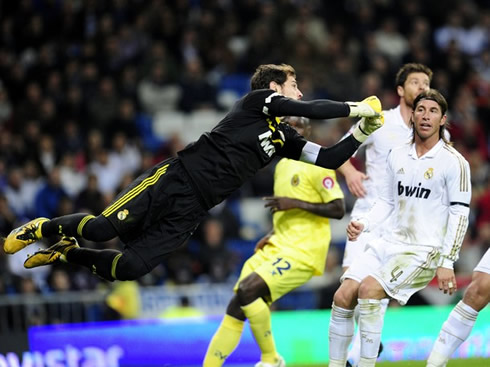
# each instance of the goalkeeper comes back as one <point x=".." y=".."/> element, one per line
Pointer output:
<point x="158" y="212"/>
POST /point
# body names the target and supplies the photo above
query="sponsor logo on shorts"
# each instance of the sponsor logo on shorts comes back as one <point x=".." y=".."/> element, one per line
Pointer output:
<point x="123" y="214"/>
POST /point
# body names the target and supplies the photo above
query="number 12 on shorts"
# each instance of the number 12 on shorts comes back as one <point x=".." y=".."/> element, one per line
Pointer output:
<point x="280" y="265"/>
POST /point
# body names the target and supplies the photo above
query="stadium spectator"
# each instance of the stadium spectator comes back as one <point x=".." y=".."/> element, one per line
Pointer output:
<point x="7" y="217"/>
<point x="49" y="196"/>
<point x="16" y="193"/>
<point x="157" y="92"/>
<point x="197" y="92"/>
<point x="90" y="199"/>
<point x="390" y="42"/>
<point x="216" y="260"/>
<point x="104" y="106"/>
<point x="72" y="180"/>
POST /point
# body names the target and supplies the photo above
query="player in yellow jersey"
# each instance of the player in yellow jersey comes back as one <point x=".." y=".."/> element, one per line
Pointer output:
<point x="305" y="197"/>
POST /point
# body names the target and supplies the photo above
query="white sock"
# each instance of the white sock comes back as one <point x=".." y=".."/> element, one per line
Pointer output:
<point x="384" y="305"/>
<point x="370" y="325"/>
<point x="354" y="355"/>
<point x="340" y="334"/>
<point x="454" y="332"/>
<point x="355" y="351"/>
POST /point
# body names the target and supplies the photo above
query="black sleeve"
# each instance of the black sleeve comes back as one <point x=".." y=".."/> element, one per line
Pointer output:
<point x="316" y="109"/>
<point x="274" y="104"/>
<point x="336" y="155"/>
<point x="294" y="142"/>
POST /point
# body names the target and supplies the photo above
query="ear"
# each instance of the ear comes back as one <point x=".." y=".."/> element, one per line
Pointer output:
<point x="400" y="91"/>
<point x="274" y="86"/>
<point x="443" y="120"/>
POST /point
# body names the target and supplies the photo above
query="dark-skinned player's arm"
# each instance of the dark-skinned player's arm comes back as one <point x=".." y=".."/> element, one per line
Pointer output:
<point x="333" y="209"/>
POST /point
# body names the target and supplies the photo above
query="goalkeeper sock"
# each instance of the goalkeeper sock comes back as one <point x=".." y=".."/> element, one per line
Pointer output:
<point x="224" y="341"/>
<point x="97" y="229"/>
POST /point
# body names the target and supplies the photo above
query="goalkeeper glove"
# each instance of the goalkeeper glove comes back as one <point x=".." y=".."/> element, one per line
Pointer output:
<point x="369" y="107"/>
<point x="366" y="126"/>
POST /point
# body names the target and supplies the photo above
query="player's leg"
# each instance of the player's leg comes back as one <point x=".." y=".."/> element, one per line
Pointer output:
<point x="227" y="337"/>
<point x="353" y="250"/>
<point x="89" y="227"/>
<point x="402" y="271"/>
<point x="354" y="354"/>
<point x="101" y="262"/>
<point x="341" y="327"/>
<point x="254" y="290"/>
<point x="250" y="294"/>
<point x="108" y="264"/>
<point x="461" y="320"/>
<point x="137" y="217"/>
<point x="69" y="225"/>
<point x="371" y="319"/>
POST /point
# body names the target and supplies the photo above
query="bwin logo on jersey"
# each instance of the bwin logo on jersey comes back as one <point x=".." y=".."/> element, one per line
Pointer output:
<point x="417" y="191"/>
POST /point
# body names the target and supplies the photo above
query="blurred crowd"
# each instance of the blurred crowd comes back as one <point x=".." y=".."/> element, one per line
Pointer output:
<point x="81" y="82"/>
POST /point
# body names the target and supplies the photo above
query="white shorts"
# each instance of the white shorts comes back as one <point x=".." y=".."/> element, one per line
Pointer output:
<point x="484" y="264"/>
<point x="400" y="269"/>
<point x="354" y="249"/>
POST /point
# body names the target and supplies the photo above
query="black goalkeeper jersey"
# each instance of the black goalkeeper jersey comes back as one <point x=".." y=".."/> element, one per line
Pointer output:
<point x="247" y="139"/>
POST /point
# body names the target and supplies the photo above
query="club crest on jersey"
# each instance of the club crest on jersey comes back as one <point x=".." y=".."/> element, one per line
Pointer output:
<point x="328" y="182"/>
<point x="122" y="214"/>
<point x="413" y="191"/>
<point x="429" y="174"/>
<point x="295" y="180"/>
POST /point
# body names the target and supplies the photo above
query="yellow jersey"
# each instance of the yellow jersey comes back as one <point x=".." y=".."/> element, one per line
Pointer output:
<point x="299" y="233"/>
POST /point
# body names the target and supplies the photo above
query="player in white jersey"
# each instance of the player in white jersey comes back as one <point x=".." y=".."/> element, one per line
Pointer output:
<point x="459" y="324"/>
<point x="427" y="191"/>
<point x="411" y="80"/>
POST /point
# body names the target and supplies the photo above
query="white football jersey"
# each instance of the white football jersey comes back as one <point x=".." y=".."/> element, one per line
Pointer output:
<point x="394" y="132"/>
<point x="428" y="198"/>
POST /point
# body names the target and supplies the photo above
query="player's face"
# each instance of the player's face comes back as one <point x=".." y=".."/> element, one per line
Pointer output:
<point x="427" y="119"/>
<point x="415" y="84"/>
<point x="290" y="88"/>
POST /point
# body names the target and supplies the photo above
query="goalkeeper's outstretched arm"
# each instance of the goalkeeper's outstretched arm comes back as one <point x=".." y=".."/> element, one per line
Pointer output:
<point x="333" y="157"/>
